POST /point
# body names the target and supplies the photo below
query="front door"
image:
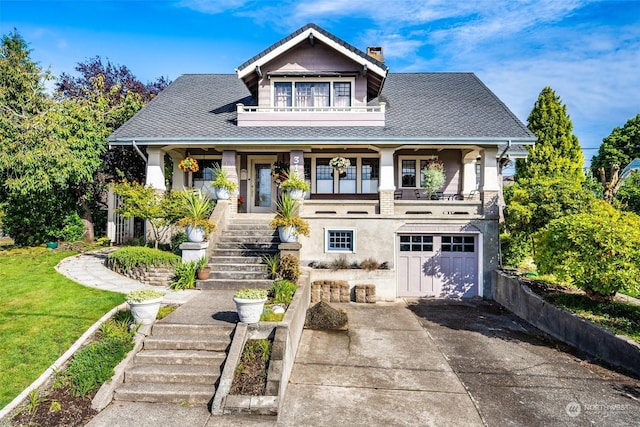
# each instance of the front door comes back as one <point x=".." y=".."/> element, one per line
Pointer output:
<point x="261" y="188"/>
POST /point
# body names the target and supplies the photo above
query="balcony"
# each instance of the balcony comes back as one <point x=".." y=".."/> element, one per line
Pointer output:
<point x="311" y="116"/>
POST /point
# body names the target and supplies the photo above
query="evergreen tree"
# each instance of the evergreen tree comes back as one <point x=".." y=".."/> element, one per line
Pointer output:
<point x="557" y="151"/>
<point x="619" y="148"/>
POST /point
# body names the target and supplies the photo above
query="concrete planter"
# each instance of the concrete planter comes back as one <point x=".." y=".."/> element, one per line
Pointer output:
<point x="222" y="193"/>
<point x="249" y="310"/>
<point x="145" y="312"/>
<point x="296" y="194"/>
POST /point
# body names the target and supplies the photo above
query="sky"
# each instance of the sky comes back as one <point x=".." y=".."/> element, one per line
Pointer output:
<point x="588" y="51"/>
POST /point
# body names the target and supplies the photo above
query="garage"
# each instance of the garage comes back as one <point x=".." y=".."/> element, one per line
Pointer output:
<point x="442" y="263"/>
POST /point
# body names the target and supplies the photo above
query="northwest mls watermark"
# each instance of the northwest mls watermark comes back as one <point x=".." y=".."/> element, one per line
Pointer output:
<point x="574" y="409"/>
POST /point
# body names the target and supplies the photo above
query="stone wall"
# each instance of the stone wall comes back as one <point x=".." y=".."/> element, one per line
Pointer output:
<point x="155" y="276"/>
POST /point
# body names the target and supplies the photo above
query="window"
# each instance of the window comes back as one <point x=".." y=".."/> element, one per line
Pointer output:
<point x="458" y="244"/>
<point x="409" y="168"/>
<point x="342" y="94"/>
<point x="206" y="169"/>
<point x="312" y="94"/>
<point x="416" y="243"/>
<point x="340" y="240"/>
<point x="370" y="175"/>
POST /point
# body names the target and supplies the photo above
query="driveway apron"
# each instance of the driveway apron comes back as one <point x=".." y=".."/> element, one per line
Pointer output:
<point x="520" y="377"/>
<point x="385" y="370"/>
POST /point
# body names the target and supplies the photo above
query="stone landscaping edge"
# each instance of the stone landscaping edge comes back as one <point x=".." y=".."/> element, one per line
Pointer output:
<point x="587" y="337"/>
<point x="286" y="337"/>
<point x="58" y="364"/>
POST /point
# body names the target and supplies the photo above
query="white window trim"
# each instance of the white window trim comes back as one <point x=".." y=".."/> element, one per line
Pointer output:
<point x="331" y="80"/>
<point x="417" y="159"/>
<point x="336" y="181"/>
<point x="326" y="240"/>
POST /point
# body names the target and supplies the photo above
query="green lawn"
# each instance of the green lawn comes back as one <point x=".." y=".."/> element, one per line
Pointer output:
<point x="41" y="314"/>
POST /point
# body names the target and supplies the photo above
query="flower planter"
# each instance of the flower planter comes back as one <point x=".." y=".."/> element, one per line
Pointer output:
<point x="249" y="310"/>
<point x="145" y="312"/>
<point x="52" y="245"/>
<point x="296" y="194"/>
<point x="222" y="193"/>
<point x="287" y="234"/>
<point x="195" y="234"/>
<point x="204" y="273"/>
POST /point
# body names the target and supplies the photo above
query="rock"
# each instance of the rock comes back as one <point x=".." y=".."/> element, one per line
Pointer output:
<point x="323" y="316"/>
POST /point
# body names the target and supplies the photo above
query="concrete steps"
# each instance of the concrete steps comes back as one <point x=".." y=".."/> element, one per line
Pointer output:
<point x="236" y="261"/>
<point x="178" y="363"/>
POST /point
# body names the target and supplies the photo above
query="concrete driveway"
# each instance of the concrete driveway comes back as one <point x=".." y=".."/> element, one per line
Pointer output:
<point x="518" y="377"/>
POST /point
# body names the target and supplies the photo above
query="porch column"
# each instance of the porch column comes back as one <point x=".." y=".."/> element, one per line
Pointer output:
<point x="489" y="186"/>
<point x="229" y="166"/>
<point x="469" y="171"/>
<point x="178" y="179"/>
<point x="296" y="162"/>
<point x="155" y="168"/>
<point x="387" y="187"/>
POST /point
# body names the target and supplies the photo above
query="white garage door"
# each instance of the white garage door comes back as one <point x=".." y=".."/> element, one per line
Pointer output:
<point x="437" y="265"/>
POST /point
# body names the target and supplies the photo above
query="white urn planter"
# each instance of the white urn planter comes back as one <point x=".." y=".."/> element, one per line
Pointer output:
<point x="287" y="234"/>
<point x="145" y="312"/>
<point x="222" y="193"/>
<point x="249" y="310"/>
<point x="296" y="194"/>
<point x="195" y="234"/>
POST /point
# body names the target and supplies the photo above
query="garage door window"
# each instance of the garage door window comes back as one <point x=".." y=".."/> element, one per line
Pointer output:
<point x="416" y="243"/>
<point x="458" y="244"/>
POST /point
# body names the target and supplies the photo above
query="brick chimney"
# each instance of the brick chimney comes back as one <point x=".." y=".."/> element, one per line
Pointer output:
<point x="376" y="52"/>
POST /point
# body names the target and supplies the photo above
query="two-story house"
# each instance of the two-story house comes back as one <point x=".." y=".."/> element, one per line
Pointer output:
<point x="311" y="97"/>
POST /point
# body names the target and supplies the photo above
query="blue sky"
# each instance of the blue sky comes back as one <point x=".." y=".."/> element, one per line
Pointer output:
<point x="587" y="51"/>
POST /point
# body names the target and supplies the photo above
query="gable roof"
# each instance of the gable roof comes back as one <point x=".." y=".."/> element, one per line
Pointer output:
<point x="446" y="108"/>
<point x="249" y="70"/>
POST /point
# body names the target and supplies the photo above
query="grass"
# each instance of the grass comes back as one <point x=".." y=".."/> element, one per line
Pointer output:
<point x="620" y="318"/>
<point x="41" y="314"/>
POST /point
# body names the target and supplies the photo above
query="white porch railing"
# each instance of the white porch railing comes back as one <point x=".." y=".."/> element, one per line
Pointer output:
<point x="361" y="115"/>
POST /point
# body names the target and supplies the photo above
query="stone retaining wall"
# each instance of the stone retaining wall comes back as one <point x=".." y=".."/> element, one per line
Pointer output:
<point x="155" y="276"/>
<point x="592" y="340"/>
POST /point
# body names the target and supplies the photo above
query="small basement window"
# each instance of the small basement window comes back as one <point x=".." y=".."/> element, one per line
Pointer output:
<point x="340" y="240"/>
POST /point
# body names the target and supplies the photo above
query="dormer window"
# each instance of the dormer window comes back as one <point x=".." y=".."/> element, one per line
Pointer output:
<point x="316" y="94"/>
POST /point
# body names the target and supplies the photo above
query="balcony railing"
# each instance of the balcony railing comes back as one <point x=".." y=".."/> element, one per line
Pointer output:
<point x="362" y="115"/>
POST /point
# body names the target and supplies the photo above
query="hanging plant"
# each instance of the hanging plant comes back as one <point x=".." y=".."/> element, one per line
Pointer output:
<point x="433" y="177"/>
<point x="339" y="163"/>
<point x="188" y="164"/>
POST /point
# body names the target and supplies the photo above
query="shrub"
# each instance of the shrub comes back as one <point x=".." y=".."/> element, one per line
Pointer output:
<point x="185" y="275"/>
<point x="281" y="292"/>
<point x="597" y="251"/>
<point x="73" y="228"/>
<point x="514" y="249"/>
<point x="251" y="293"/>
<point x="136" y="256"/>
<point x="176" y="240"/>
<point x="340" y="263"/>
<point x="370" y="264"/>
<point x="269" y="316"/>
<point x="290" y="268"/>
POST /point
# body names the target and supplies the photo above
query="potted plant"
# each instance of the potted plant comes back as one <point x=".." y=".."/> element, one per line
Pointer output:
<point x="188" y="164"/>
<point x="204" y="271"/>
<point x="249" y="304"/>
<point x="279" y="172"/>
<point x="287" y="221"/>
<point x="223" y="186"/>
<point x="294" y="185"/>
<point x="339" y="163"/>
<point x="144" y="305"/>
<point x="195" y="208"/>
<point x="432" y="177"/>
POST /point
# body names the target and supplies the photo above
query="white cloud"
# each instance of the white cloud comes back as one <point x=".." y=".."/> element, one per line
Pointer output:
<point x="212" y="7"/>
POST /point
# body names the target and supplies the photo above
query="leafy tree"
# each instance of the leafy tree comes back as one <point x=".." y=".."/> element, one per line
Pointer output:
<point x="629" y="194"/>
<point x="159" y="209"/>
<point x="619" y="148"/>
<point x="557" y="152"/>
<point x="532" y="203"/>
<point x="598" y="251"/>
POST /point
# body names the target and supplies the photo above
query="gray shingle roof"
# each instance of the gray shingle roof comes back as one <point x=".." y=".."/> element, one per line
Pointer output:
<point x="419" y="106"/>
